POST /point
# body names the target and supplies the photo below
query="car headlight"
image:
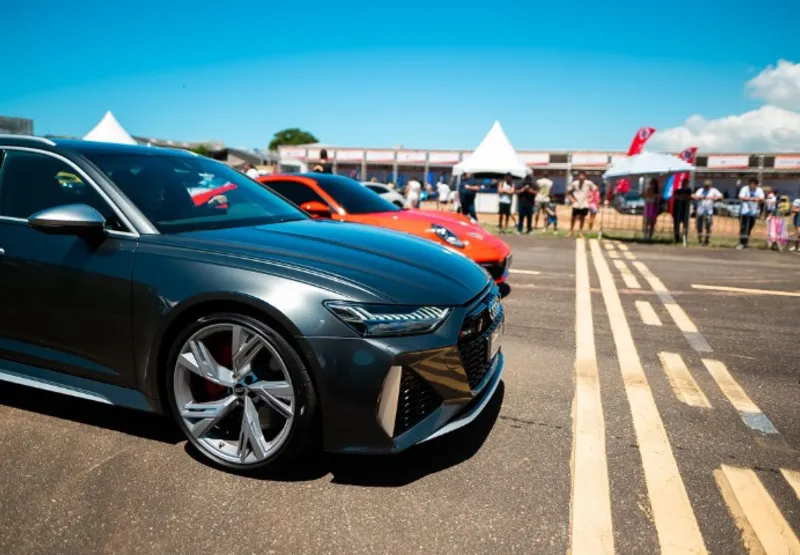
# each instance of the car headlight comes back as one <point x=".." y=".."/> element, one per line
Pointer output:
<point x="372" y="320"/>
<point x="447" y="236"/>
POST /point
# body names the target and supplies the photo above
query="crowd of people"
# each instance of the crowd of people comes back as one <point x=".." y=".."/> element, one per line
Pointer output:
<point x="536" y="203"/>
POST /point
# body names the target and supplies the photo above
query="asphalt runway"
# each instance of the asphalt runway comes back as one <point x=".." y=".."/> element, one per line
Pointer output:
<point x="649" y="404"/>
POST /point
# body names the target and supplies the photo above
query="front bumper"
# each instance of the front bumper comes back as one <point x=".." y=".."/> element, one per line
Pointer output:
<point x="383" y="396"/>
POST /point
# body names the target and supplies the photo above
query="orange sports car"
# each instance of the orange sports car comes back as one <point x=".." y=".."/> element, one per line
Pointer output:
<point x="340" y="198"/>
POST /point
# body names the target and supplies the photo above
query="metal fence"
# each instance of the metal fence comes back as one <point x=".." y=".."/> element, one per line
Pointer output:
<point x="722" y="224"/>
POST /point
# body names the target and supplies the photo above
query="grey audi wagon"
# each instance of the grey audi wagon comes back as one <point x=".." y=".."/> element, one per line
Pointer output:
<point x="159" y="280"/>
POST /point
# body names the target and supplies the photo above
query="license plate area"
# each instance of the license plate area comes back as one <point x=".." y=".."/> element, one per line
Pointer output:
<point x="493" y="346"/>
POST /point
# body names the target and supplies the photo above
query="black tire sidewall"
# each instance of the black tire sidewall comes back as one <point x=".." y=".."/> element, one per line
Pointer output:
<point x="303" y="430"/>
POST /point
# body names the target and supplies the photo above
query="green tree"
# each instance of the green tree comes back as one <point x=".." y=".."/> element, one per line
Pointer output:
<point x="293" y="136"/>
<point x="202" y="150"/>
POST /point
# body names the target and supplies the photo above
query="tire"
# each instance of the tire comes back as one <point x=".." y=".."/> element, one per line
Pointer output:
<point x="183" y="381"/>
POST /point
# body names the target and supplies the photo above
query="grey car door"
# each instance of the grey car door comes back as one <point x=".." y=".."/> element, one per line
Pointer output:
<point x="65" y="300"/>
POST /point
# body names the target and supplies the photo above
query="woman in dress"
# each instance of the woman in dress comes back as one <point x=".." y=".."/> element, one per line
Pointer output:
<point x="652" y="199"/>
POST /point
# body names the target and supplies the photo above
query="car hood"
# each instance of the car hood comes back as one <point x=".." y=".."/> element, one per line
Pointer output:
<point x="397" y="267"/>
<point x="459" y="224"/>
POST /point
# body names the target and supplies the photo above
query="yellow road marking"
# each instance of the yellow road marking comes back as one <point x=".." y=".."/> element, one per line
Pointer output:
<point x="648" y="314"/>
<point x="674" y="519"/>
<point x="681" y="319"/>
<point x="682" y="382"/>
<point x="746" y="291"/>
<point x="748" y="410"/>
<point x="764" y="528"/>
<point x="613" y="254"/>
<point x="793" y="477"/>
<point x="630" y="280"/>
<point x="524" y="272"/>
<point x="591" y="528"/>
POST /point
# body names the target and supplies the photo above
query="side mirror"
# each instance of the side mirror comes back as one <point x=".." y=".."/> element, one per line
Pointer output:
<point x="69" y="219"/>
<point x="317" y="209"/>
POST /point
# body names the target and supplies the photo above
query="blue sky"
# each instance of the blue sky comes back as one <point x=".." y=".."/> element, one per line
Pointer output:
<point x="558" y="75"/>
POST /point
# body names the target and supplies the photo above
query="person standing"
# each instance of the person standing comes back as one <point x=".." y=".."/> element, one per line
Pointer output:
<point x="526" y="195"/>
<point x="751" y="196"/>
<point x="681" y="205"/>
<point x="413" y="193"/>
<point x="323" y="166"/>
<point x="796" y="222"/>
<point x="706" y="196"/>
<point x="469" y="190"/>
<point x="652" y="203"/>
<point x="442" y="194"/>
<point x="505" y="189"/>
<point x="579" y="194"/>
<point x="250" y="171"/>
<point x="544" y="185"/>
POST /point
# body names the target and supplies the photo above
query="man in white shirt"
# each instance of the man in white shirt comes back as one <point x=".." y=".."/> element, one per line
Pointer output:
<point x="442" y="194"/>
<point x="543" y="185"/>
<point x="250" y="171"/>
<point x="751" y="196"/>
<point x="705" y="196"/>
<point x="579" y="194"/>
<point x="505" y="190"/>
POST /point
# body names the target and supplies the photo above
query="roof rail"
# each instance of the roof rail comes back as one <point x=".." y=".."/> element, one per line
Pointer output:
<point x="28" y="138"/>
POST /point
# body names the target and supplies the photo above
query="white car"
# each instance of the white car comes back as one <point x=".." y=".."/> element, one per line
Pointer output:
<point x="386" y="192"/>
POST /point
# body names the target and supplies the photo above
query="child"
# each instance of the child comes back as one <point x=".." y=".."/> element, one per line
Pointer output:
<point x="552" y="217"/>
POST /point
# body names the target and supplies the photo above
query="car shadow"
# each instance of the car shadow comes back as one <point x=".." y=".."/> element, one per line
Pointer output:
<point x="360" y="470"/>
<point x="404" y="468"/>
<point x="148" y="426"/>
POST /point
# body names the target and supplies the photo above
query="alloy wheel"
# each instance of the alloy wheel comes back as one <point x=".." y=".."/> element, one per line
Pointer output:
<point x="234" y="393"/>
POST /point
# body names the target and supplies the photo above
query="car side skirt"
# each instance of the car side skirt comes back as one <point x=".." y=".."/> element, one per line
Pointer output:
<point x="81" y="388"/>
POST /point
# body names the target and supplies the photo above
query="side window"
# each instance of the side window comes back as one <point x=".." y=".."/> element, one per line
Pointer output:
<point x="30" y="182"/>
<point x="376" y="189"/>
<point x="296" y="192"/>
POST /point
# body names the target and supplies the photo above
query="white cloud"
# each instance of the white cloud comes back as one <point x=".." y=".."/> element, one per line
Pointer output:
<point x="774" y="127"/>
<point x="778" y="86"/>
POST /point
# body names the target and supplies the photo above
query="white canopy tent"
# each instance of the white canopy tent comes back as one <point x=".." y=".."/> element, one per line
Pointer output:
<point x="493" y="155"/>
<point x="109" y="130"/>
<point x="648" y="163"/>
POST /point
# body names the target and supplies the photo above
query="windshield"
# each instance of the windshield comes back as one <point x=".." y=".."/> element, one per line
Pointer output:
<point x="181" y="193"/>
<point x="353" y="196"/>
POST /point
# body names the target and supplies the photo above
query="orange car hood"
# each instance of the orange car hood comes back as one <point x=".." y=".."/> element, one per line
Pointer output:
<point x="479" y="243"/>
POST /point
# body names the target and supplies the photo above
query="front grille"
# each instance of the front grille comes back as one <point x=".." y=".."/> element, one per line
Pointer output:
<point x="417" y="400"/>
<point x="496" y="270"/>
<point x="474" y="342"/>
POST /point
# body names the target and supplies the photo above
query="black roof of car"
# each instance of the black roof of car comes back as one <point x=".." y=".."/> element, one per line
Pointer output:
<point x="90" y="147"/>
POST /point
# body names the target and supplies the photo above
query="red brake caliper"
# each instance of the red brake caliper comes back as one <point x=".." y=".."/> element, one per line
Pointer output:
<point x="222" y="353"/>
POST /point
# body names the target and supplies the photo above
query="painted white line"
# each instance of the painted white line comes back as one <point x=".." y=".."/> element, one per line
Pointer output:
<point x="648" y="313"/>
<point x="613" y="254"/>
<point x="629" y="255"/>
<point x="676" y="525"/>
<point x="749" y="412"/>
<point x="793" y="477"/>
<point x="681" y="319"/>
<point x="591" y="528"/>
<point x="764" y="527"/>
<point x="683" y="384"/>
<point x="630" y="280"/>
<point x="746" y="291"/>
<point x="608" y="245"/>
<point x="524" y="272"/>
<point x="622" y="246"/>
